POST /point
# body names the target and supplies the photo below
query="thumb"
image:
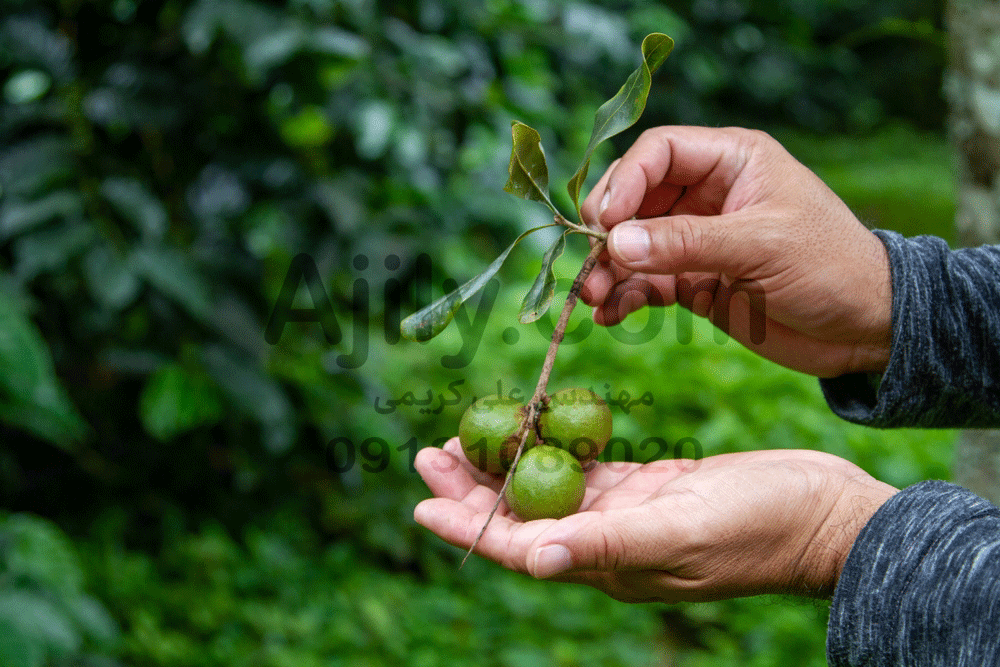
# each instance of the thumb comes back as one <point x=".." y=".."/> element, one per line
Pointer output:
<point x="726" y="243"/>
<point x="618" y="539"/>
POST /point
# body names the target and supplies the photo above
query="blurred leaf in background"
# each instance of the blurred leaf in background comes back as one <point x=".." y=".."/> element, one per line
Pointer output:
<point x="32" y="396"/>
<point x="46" y="616"/>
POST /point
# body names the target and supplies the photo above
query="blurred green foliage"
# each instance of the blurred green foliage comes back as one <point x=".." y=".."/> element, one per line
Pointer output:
<point x="880" y="178"/>
<point x="46" y="617"/>
<point x="161" y="164"/>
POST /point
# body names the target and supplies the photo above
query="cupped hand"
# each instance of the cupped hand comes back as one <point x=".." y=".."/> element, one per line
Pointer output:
<point x="732" y="525"/>
<point x="727" y="220"/>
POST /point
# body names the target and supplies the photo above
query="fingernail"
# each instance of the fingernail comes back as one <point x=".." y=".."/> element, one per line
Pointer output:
<point x="631" y="242"/>
<point x="551" y="560"/>
<point x="604" y="202"/>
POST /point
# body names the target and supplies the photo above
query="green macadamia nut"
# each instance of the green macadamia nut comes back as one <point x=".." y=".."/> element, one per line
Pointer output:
<point x="488" y="433"/>
<point x="576" y="420"/>
<point x="547" y="484"/>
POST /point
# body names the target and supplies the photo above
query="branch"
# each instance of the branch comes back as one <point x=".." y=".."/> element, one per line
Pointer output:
<point x="540" y="398"/>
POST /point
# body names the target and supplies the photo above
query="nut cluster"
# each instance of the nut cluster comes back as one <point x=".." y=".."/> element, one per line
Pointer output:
<point x="571" y="431"/>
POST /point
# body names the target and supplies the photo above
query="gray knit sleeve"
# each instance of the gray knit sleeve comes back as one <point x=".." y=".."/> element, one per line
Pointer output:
<point x="921" y="592"/>
<point x="944" y="369"/>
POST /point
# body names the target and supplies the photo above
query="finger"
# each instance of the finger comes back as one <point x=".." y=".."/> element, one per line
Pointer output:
<point x="443" y="473"/>
<point x="675" y="157"/>
<point x="735" y="244"/>
<point x="607" y="275"/>
<point x="590" y="210"/>
<point x="456" y="486"/>
<point x="629" y="538"/>
<point x="659" y="200"/>
<point x="454" y="447"/>
<point x="740" y="312"/>
<point x="791" y="348"/>
<point x="597" y="285"/>
<point x="638" y="586"/>
<point x="630" y="295"/>
<point x="505" y="540"/>
<point x="457" y="523"/>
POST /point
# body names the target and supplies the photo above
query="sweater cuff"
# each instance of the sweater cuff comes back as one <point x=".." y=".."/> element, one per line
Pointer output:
<point x="920" y="583"/>
<point x="856" y="397"/>
<point x="945" y="319"/>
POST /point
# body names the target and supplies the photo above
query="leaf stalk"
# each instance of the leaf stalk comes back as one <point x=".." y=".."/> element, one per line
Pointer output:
<point x="580" y="229"/>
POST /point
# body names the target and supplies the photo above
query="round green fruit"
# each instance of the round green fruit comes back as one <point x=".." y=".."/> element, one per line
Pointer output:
<point x="548" y="484"/>
<point x="488" y="433"/>
<point x="576" y="420"/>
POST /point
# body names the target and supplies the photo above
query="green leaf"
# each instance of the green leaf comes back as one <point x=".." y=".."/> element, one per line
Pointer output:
<point x="623" y="110"/>
<point x="111" y="279"/>
<point x="176" y="400"/>
<point x="431" y="320"/>
<point x="37" y="166"/>
<point x="40" y="555"/>
<point x="31" y="396"/>
<point x="529" y="174"/>
<point x="17" y="216"/>
<point x="137" y="204"/>
<point x="51" y="248"/>
<point x="16" y="650"/>
<point x="174" y="274"/>
<point x="539" y="297"/>
<point x="253" y="391"/>
<point x="92" y="619"/>
<point x="309" y="128"/>
<point x="39" y="620"/>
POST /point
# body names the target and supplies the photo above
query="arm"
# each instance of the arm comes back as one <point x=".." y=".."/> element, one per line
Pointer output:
<point x="921" y="585"/>
<point x="944" y="368"/>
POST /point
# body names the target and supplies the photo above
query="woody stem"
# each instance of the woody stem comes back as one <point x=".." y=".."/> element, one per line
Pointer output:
<point x="540" y="398"/>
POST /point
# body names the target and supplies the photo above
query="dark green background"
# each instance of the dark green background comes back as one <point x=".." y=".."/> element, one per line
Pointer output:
<point x="169" y="491"/>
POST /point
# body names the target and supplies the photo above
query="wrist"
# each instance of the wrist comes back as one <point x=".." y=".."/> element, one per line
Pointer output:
<point x="874" y="347"/>
<point x="825" y="556"/>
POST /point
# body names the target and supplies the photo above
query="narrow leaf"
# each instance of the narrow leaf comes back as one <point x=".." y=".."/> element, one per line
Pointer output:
<point x="623" y="110"/>
<point x="539" y="297"/>
<point x="32" y="397"/>
<point x="431" y="320"/>
<point x="529" y="174"/>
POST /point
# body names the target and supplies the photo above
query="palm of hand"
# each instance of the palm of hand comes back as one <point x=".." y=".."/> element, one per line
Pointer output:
<point x="725" y="526"/>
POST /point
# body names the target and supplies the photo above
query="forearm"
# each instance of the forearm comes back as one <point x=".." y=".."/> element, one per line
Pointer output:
<point x="944" y="370"/>
<point x="921" y="585"/>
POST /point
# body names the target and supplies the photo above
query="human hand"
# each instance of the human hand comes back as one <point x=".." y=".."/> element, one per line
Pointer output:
<point x="732" y="525"/>
<point x="733" y="205"/>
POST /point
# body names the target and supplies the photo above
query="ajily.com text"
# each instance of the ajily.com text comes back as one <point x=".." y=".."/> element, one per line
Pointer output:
<point x="303" y="271"/>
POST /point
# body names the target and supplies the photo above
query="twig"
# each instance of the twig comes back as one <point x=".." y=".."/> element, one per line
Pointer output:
<point x="540" y="397"/>
<point x="580" y="229"/>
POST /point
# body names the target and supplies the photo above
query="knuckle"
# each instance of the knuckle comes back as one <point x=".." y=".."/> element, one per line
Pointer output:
<point x="751" y="136"/>
<point x="750" y="142"/>
<point x="653" y="154"/>
<point x="614" y="550"/>
<point x="761" y="137"/>
<point x="653" y="134"/>
<point x="682" y="240"/>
